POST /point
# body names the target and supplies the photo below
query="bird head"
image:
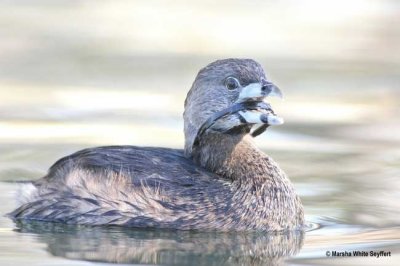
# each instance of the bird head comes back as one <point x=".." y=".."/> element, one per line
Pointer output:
<point x="228" y="97"/>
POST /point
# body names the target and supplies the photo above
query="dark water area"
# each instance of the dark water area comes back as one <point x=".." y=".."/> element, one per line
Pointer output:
<point x="165" y="247"/>
<point x="69" y="80"/>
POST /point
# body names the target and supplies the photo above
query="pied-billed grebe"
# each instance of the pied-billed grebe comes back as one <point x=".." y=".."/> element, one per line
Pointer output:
<point x="221" y="180"/>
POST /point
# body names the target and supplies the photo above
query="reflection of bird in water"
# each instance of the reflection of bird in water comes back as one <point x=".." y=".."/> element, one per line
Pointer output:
<point x="220" y="181"/>
<point x="116" y="245"/>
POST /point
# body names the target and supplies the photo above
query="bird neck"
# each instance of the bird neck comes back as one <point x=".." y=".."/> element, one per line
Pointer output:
<point x="234" y="157"/>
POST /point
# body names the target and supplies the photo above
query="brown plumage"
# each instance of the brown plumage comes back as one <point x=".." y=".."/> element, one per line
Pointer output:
<point x="221" y="182"/>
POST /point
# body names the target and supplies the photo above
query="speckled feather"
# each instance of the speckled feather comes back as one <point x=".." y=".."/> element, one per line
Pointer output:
<point x="149" y="187"/>
<point x="125" y="185"/>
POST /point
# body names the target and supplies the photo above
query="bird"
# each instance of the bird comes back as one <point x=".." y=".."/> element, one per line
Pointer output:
<point x="219" y="181"/>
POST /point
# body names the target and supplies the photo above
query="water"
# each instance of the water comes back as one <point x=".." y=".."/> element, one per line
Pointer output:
<point x="65" y="86"/>
<point x="343" y="160"/>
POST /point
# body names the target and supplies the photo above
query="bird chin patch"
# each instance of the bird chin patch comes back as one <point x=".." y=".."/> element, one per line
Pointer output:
<point x="230" y="131"/>
<point x="238" y="130"/>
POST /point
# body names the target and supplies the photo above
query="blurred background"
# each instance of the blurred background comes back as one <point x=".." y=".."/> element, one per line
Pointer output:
<point x="75" y="74"/>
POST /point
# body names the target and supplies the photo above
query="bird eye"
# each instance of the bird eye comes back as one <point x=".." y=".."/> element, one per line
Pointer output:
<point x="231" y="83"/>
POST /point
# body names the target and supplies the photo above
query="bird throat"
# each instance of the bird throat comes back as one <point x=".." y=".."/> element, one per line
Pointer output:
<point x="234" y="157"/>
